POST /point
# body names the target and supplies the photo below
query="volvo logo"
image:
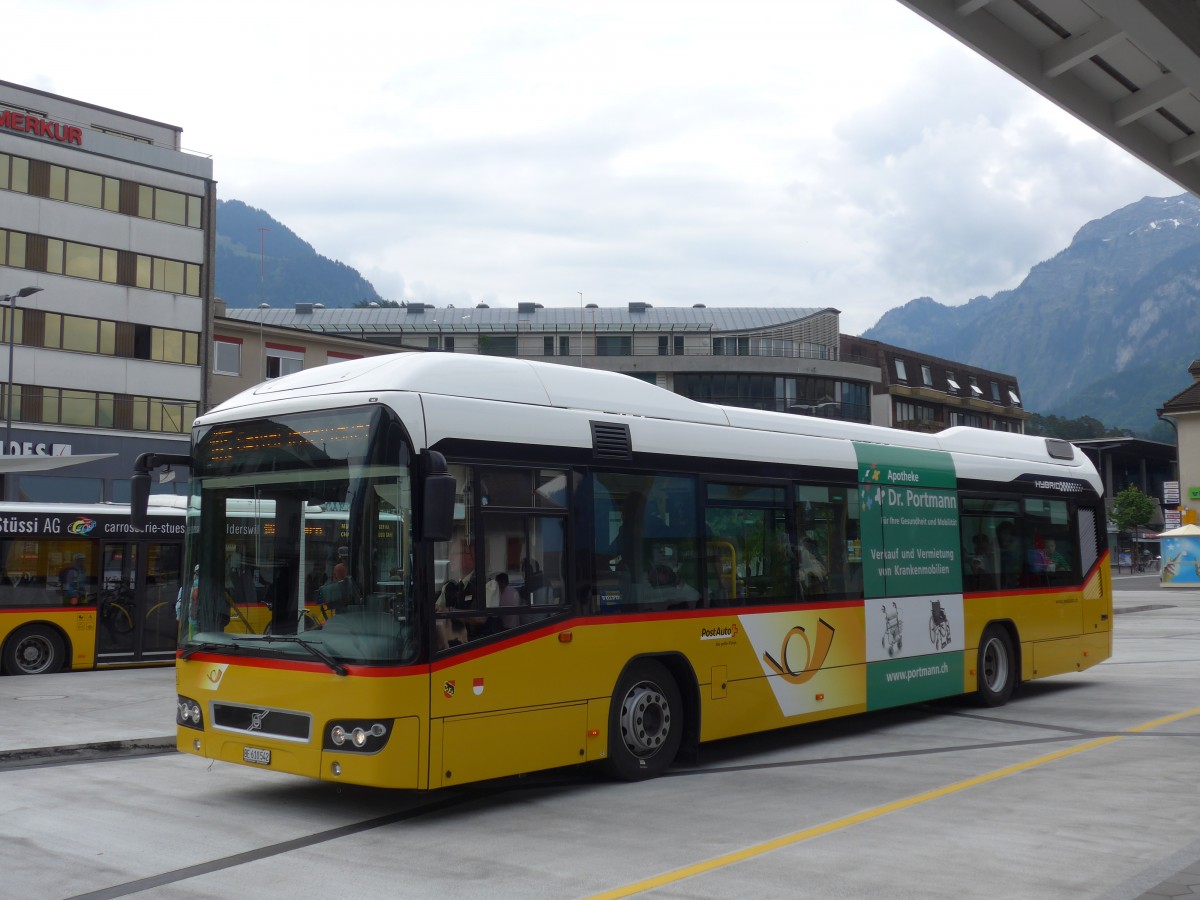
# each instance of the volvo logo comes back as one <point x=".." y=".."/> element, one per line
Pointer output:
<point x="256" y="719"/>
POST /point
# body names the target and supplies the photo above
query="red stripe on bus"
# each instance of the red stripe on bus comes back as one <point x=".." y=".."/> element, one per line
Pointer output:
<point x="297" y="665"/>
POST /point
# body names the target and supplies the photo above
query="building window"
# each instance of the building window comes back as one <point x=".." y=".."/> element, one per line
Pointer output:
<point x="433" y="343"/>
<point x="901" y="372"/>
<point x="498" y="344"/>
<point x="856" y="401"/>
<point x="448" y="344"/>
<point x="664" y="345"/>
<point x="81" y="334"/>
<point x="564" y="345"/>
<point x="678" y="339"/>
<point x="227" y="357"/>
<point x="548" y="345"/>
<point x="927" y="376"/>
<point x="740" y="346"/>
<point x="976" y="391"/>
<point x="614" y="345"/>
<point x="1012" y="395"/>
<point x="995" y="392"/>
<point x="69" y="406"/>
<point x="59" y="489"/>
<point x="909" y="413"/>
<point x="333" y="356"/>
<point x="950" y="380"/>
<point x="283" y="360"/>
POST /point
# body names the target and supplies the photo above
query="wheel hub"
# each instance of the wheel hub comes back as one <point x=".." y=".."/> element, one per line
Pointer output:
<point x="645" y="720"/>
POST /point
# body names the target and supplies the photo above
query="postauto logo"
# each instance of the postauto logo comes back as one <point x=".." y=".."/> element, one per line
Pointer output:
<point x="718" y="632"/>
<point x="82" y="525"/>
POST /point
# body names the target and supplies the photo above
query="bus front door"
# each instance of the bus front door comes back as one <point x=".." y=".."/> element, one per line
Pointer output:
<point x="135" y="609"/>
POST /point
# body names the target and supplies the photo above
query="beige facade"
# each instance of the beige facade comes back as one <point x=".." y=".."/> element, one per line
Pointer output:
<point x="1184" y="411"/>
<point x="245" y="354"/>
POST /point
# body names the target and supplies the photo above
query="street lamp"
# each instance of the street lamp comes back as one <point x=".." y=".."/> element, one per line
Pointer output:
<point x="262" y="347"/>
<point x="10" y="320"/>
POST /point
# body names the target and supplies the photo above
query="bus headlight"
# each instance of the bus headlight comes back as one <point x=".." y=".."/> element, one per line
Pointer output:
<point x="187" y="713"/>
<point x="362" y="736"/>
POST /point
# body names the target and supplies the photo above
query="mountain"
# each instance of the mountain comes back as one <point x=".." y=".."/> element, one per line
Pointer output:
<point x="291" y="270"/>
<point x="1106" y="328"/>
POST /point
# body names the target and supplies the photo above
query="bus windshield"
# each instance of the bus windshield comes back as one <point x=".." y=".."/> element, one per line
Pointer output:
<point x="299" y="542"/>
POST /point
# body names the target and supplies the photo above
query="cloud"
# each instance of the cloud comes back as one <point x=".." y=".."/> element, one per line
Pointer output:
<point x="750" y="153"/>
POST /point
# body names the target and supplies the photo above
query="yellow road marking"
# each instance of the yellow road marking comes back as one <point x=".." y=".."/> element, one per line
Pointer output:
<point x="797" y="837"/>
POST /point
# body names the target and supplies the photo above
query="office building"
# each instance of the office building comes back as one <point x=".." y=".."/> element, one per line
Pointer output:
<point x="112" y="221"/>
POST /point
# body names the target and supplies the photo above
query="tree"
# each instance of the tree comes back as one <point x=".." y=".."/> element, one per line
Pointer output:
<point x="1131" y="509"/>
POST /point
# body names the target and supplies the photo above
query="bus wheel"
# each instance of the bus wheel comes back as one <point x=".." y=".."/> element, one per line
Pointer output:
<point x="645" y="722"/>
<point x="997" y="669"/>
<point x="34" y="650"/>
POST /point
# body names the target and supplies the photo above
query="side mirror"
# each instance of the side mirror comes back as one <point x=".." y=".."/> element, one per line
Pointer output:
<point x="139" y="500"/>
<point x="139" y="483"/>
<point x="437" y="499"/>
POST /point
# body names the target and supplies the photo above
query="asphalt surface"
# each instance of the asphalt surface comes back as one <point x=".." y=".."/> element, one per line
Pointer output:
<point x="80" y="715"/>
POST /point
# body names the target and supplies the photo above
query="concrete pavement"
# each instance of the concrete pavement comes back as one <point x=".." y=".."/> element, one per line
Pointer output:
<point x="77" y="714"/>
<point x="74" y="716"/>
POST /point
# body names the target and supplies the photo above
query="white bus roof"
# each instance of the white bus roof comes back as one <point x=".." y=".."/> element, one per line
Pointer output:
<point x="552" y="385"/>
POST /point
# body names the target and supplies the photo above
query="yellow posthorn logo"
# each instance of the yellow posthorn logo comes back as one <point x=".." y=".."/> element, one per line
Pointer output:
<point x="813" y="658"/>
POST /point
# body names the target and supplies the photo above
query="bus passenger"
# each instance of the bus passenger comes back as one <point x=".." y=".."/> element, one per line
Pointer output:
<point x="1054" y="560"/>
<point x="72" y="581"/>
<point x="450" y="632"/>
<point x="340" y="592"/>
<point x="508" y="596"/>
<point x="1009" y="547"/>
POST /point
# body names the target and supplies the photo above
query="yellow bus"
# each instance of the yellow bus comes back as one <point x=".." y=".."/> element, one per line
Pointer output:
<point x="550" y="566"/>
<point x="80" y="588"/>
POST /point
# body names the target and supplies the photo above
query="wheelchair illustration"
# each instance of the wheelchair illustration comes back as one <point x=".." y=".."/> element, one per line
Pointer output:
<point x="939" y="626"/>
<point x="892" y="638"/>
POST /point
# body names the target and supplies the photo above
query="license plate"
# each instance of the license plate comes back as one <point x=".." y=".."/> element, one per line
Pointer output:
<point x="256" y="755"/>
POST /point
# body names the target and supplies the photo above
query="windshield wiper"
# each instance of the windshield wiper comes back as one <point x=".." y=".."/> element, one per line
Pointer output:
<point x="193" y="649"/>
<point x="307" y="645"/>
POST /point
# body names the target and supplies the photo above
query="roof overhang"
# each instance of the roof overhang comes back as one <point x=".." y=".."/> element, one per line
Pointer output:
<point x="46" y="463"/>
<point x="1128" y="68"/>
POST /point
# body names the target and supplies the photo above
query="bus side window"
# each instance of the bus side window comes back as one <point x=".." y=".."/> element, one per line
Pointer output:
<point x="644" y="554"/>
<point x="829" y="550"/>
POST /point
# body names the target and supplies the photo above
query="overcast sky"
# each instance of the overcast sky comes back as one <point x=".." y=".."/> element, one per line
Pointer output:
<point x="741" y="152"/>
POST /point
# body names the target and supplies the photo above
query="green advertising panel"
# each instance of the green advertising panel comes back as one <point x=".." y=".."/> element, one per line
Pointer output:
<point x="909" y="521"/>
<point x="896" y="682"/>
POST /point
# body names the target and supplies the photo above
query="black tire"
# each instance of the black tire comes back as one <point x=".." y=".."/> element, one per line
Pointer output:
<point x="34" y="650"/>
<point x="996" y="667"/>
<point x="645" y="722"/>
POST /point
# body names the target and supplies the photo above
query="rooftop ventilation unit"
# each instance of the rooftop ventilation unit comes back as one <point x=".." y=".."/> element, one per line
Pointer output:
<point x="528" y="307"/>
<point x="418" y="307"/>
<point x="611" y="441"/>
<point x="637" y="306"/>
<point x="304" y="309"/>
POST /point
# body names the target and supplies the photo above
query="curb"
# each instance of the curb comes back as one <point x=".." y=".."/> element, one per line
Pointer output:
<point x="69" y="753"/>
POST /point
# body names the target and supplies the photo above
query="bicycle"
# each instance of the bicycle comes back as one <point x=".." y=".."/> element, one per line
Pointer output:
<point x="117" y="609"/>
